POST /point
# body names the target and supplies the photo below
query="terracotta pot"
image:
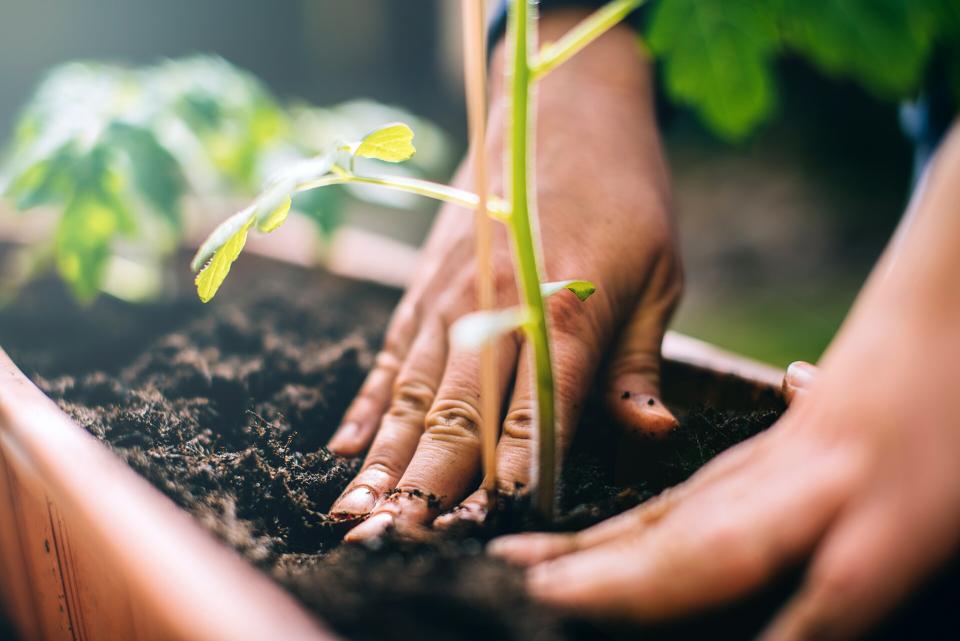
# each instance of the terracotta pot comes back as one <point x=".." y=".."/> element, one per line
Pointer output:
<point x="91" y="551"/>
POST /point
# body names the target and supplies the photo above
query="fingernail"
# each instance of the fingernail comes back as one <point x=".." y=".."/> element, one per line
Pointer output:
<point x="344" y="438"/>
<point x="373" y="528"/>
<point x="801" y="374"/>
<point x="357" y="501"/>
<point x="468" y="512"/>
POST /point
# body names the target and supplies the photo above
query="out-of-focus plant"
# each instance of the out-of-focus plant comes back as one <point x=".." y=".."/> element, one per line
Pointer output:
<point x="114" y="150"/>
<point x="718" y="56"/>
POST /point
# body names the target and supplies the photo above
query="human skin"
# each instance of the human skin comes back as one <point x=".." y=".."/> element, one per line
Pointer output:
<point x="859" y="477"/>
<point x="604" y="203"/>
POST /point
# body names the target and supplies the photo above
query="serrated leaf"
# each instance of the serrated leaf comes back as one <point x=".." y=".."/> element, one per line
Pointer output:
<point x="473" y="331"/>
<point x="583" y="289"/>
<point x="390" y="143"/>
<point x="717" y="58"/>
<point x="219" y="237"/>
<point x="210" y="278"/>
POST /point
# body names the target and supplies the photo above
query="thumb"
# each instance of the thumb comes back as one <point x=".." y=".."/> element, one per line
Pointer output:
<point x="798" y="380"/>
<point x="633" y="388"/>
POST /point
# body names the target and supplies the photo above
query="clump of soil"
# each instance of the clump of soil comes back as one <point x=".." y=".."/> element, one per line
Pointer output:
<point x="226" y="409"/>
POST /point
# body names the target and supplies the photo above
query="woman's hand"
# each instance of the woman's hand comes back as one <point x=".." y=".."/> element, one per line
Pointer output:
<point x="603" y="198"/>
<point x="860" y="476"/>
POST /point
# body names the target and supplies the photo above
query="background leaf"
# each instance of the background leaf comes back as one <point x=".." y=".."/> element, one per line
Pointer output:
<point x="881" y="43"/>
<point x="716" y="58"/>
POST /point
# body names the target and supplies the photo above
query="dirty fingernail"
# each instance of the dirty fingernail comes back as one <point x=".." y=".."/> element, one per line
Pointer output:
<point x="373" y="528"/>
<point x="345" y="437"/>
<point x="358" y="501"/>
<point x="465" y="512"/>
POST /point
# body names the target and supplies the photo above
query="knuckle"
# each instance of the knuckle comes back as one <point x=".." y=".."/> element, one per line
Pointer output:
<point x="659" y="234"/>
<point x="453" y="419"/>
<point x="411" y="399"/>
<point x="387" y="358"/>
<point x="518" y="424"/>
<point x="378" y="466"/>
<point x="635" y="362"/>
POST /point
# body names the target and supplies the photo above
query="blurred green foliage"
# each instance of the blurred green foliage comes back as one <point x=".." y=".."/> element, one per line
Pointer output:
<point x="115" y="150"/>
<point x="718" y="55"/>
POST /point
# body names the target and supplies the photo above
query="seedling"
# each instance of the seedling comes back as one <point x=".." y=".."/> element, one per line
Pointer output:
<point x="517" y="211"/>
<point x="116" y="150"/>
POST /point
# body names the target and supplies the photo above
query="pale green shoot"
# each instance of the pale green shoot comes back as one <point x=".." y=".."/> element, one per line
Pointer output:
<point x="602" y="20"/>
<point x="583" y="289"/>
<point x="473" y="331"/>
<point x="390" y="143"/>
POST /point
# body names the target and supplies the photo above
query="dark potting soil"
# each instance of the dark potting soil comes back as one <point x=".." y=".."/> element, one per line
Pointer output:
<point x="226" y="408"/>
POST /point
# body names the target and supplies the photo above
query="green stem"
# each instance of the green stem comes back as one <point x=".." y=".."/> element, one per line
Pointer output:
<point x="497" y="208"/>
<point x="525" y="250"/>
<point x="591" y="28"/>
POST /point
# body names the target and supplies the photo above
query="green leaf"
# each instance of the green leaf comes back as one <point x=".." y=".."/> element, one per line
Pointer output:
<point x="473" y="331"/>
<point x="881" y="43"/>
<point x="275" y="217"/>
<point x="82" y="243"/>
<point x="717" y="58"/>
<point x="219" y="237"/>
<point x="153" y="170"/>
<point x="210" y="278"/>
<point x="390" y="143"/>
<point x="46" y="182"/>
<point x="584" y="289"/>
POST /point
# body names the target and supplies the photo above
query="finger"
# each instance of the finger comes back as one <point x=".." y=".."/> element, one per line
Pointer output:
<point x="708" y="550"/>
<point x="531" y="548"/>
<point x="575" y="358"/>
<point x="798" y="380"/>
<point x="361" y="419"/>
<point x="633" y="391"/>
<point x="866" y="565"/>
<point x="401" y="427"/>
<point x="447" y="458"/>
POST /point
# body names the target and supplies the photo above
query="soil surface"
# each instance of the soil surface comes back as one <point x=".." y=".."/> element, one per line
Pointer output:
<point x="226" y="408"/>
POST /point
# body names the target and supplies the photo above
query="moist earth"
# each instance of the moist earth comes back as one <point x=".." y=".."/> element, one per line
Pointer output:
<point x="226" y="408"/>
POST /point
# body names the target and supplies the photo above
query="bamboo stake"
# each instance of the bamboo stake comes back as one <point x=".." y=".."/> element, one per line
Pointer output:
<point x="475" y="73"/>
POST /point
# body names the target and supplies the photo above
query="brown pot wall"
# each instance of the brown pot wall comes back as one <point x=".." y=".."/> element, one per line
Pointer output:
<point x="89" y="551"/>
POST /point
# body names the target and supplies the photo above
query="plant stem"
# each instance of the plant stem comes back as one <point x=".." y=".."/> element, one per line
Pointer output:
<point x="495" y="207"/>
<point x="525" y="248"/>
<point x="591" y="28"/>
